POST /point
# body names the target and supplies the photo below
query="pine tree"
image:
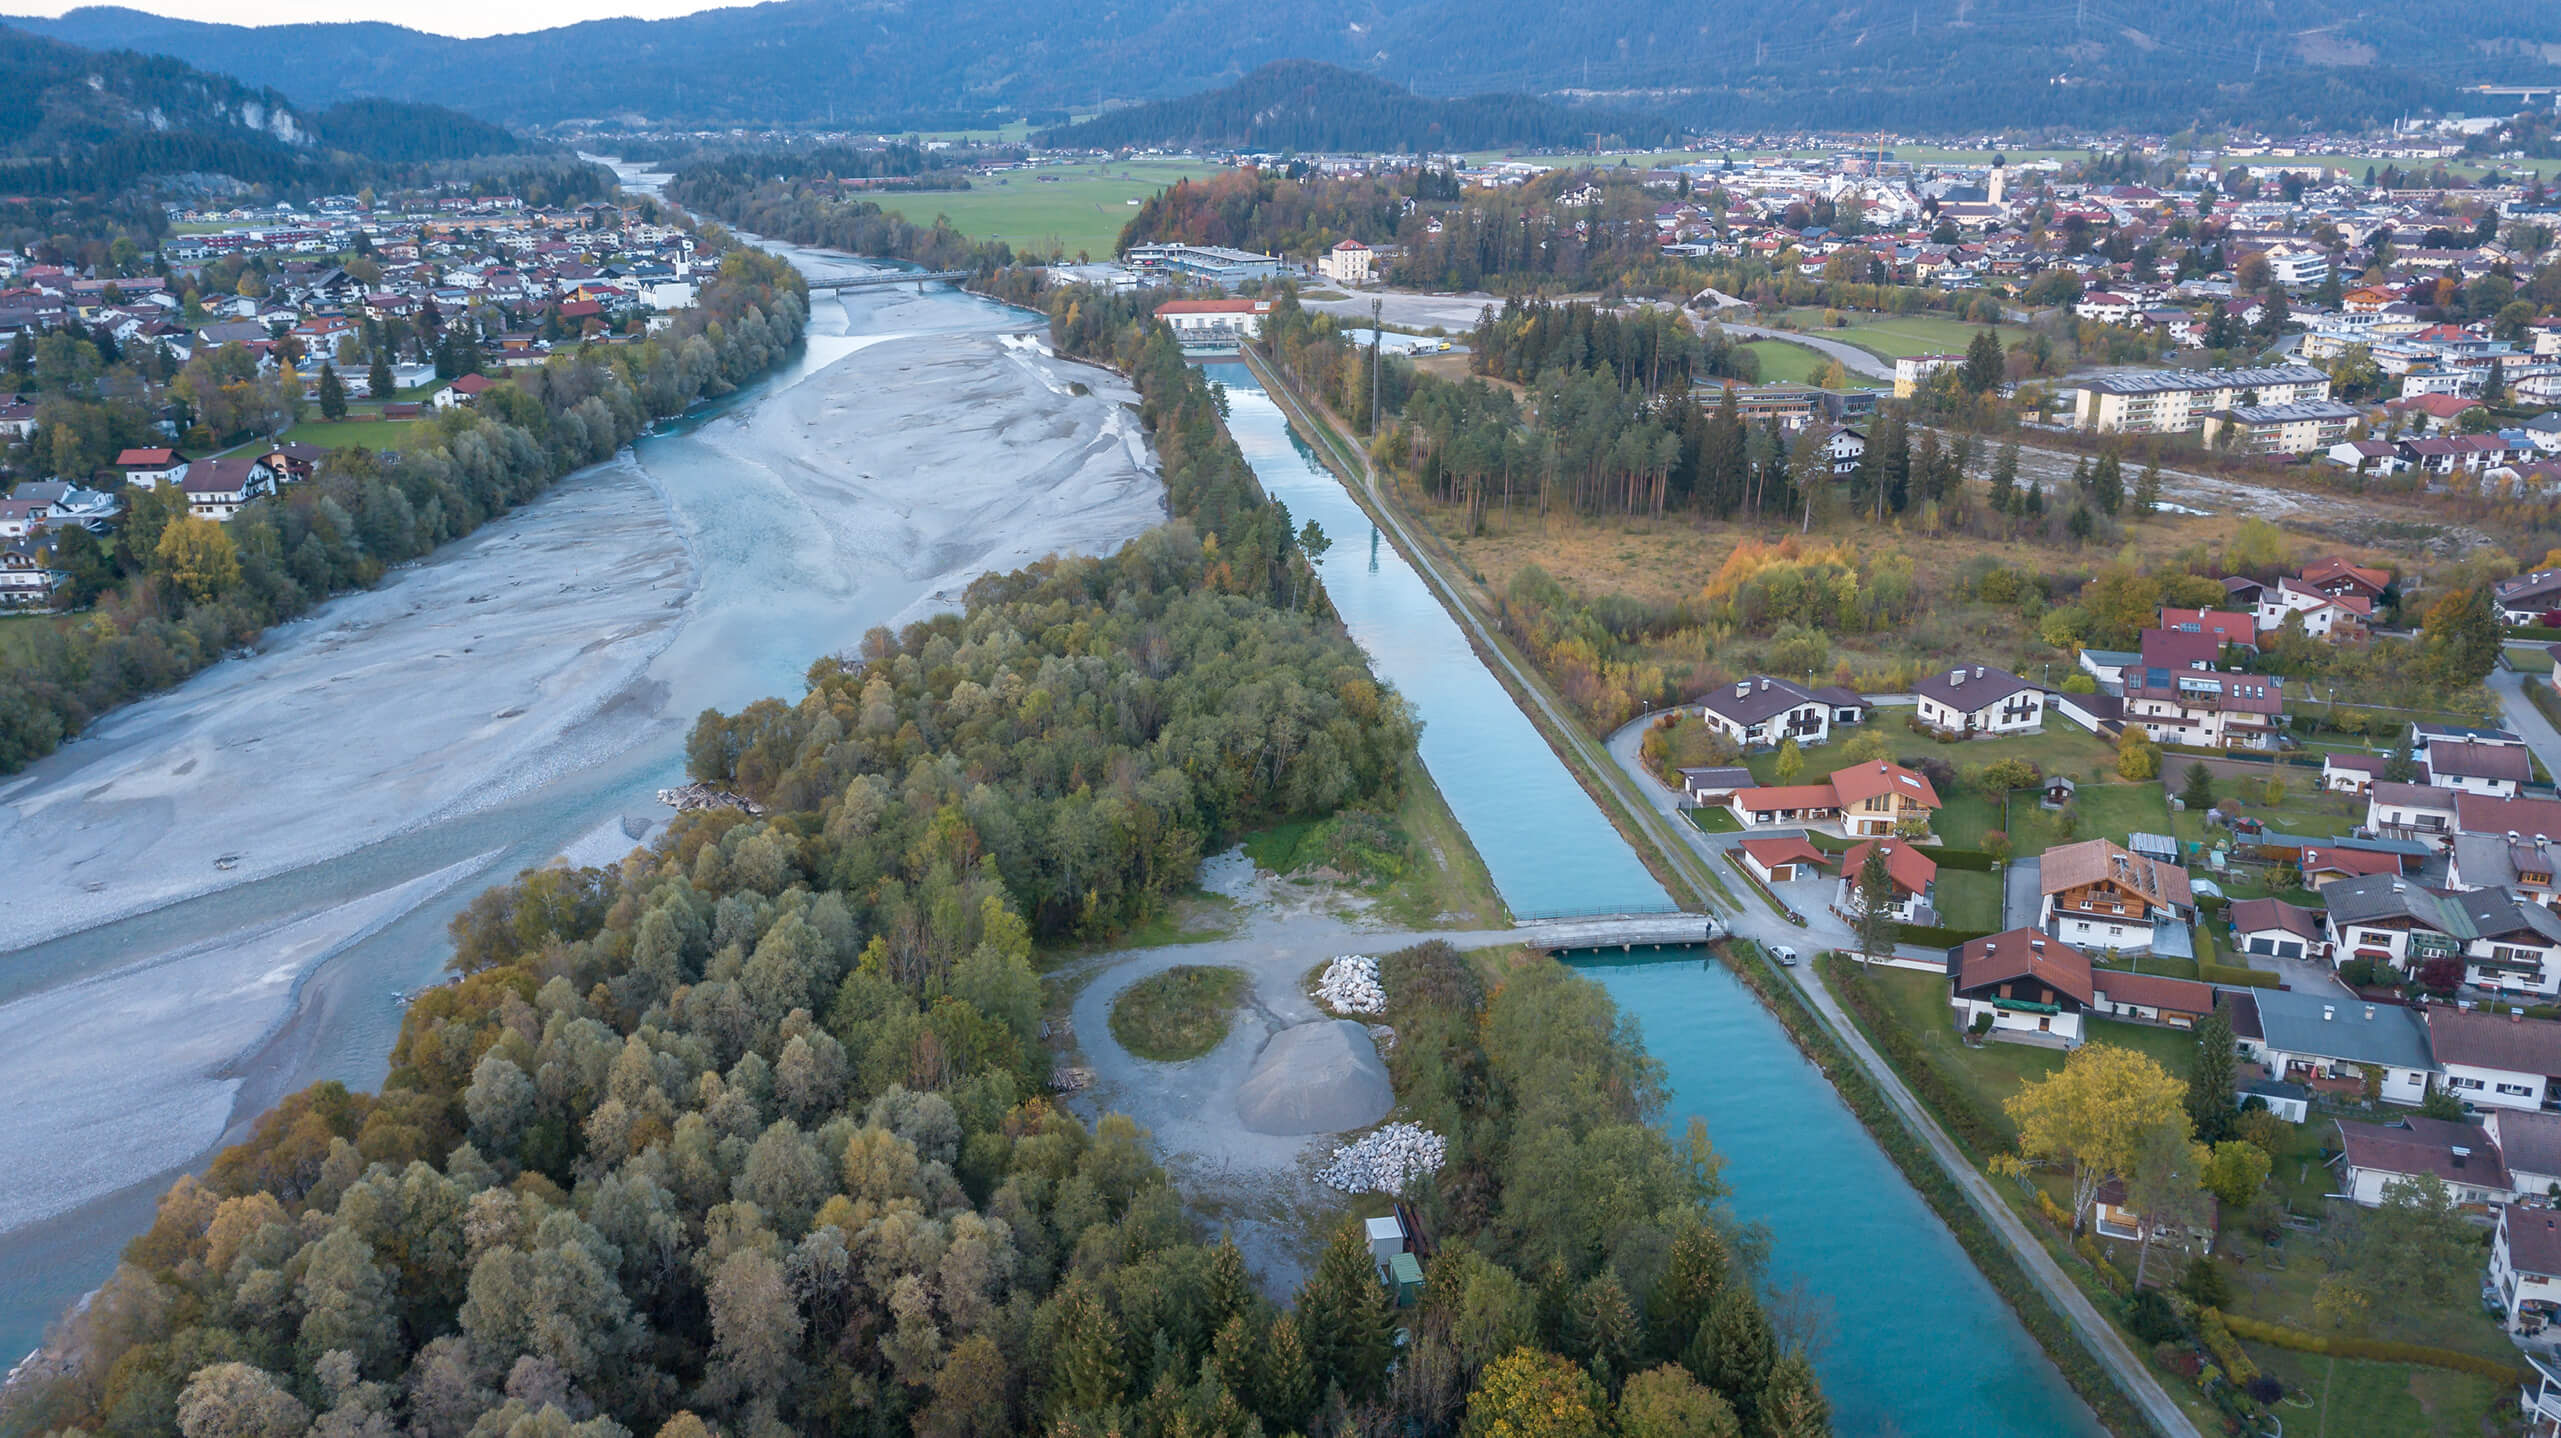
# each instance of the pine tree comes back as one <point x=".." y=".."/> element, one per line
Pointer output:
<point x="2147" y="491"/>
<point x="1792" y="1404"/>
<point x="2005" y="478"/>
<point x="2036" y="499"/>
<point x="1287" y="1387"/>
<point x="1345" y="1318"/>
<point x="1231" y="1290"/>
<point x="2081" y="475"/>
<point x="2401" y="766"/>
<point x="2211" y="1088"/>
<point x="333" y="393"/>
<point x="2107" y="483"/>
<point x="1689" y="1285"/>
<point x="1983" y="362"/>
<point x="1087" y="1372"/>
<point x="1607" y="1332"/>
<point x="378" y="381"/>
<point x="1734" y="1350"/>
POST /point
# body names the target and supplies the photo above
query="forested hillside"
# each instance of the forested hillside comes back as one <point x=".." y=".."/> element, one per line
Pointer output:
<point x="751" y="1134"/>
<point x="74" y="121"/>
<point x="1310" y="105"/>
<point x="1933" y="66"/>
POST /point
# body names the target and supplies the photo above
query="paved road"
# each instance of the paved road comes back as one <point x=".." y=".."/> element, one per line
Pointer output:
<point x="1655" y="808"/>
<point x="2525" y="718"/>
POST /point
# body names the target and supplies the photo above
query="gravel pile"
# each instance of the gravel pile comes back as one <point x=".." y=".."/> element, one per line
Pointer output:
<point x="1350" y="986"/>
<point x="1386" y="1161"/>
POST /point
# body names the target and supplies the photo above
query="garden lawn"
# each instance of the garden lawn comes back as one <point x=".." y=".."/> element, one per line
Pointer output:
<point x="1994" y="1072"/>
<point x="2378" y="1400"/>
<point x="18" y="635"/>
<point x="2530" y="658"/>
<point x="2107" y="811"/>
<point x="1179" y="1014"/>
<point x="1969" y="900"/>
<point x="1787" y="362"/>
<point x="1894" y="336"/>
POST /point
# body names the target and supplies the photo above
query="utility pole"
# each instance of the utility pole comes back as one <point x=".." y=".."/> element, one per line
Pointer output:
<point x="1376" y="336"/>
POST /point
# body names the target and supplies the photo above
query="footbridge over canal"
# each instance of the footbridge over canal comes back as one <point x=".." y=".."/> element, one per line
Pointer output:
<point x="1596" y="932"/>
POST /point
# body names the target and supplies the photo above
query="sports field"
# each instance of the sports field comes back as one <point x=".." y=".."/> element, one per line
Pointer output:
<point x="1079" y="208"/>
<point x="1786" y="363"/>
<point x="1892" y="336"/>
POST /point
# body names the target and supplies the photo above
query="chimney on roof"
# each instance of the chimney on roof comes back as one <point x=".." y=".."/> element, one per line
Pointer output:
<point x="1955" y="677"/>
<point x="1765" y="684"/>
<point x="1978" y="671"/>
<point x="1743" y="689"/>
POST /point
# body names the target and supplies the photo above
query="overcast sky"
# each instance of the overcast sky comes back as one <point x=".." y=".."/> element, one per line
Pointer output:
<point x="451" y="17"/>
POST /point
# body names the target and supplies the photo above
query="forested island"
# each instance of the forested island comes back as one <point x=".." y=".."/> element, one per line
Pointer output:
<point x="752" y="1133"/>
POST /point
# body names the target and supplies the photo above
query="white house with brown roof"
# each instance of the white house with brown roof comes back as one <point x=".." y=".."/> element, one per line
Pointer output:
<point x="1978" y="699"/>
<point x="2151" y="998"/>
<point x="2497" y="770"/>
<point x="2495" y="1060"/>
<point x="2458" y="1157"/>
<point x="2099" y="895"/>
<point x="1910" y="873"/>
<point x="2525" y="1266"/>
<point x="2411" y="811"/>
<point x="217" y="488"/>
<point x="2032" y="988"/>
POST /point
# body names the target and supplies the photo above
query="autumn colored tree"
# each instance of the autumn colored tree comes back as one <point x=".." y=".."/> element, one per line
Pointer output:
<point x="2092" y="1114"/>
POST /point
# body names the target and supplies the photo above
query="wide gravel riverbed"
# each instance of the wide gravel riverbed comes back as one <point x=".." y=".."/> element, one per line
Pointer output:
<point x="220" y="894"/>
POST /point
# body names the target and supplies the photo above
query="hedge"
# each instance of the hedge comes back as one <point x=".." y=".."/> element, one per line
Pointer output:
<point x="2376" y="1350"/>
<point x="1973" y="859"/>
<point x="2093" y="1380"/>
<point x="1933" y="936"/>
<point x="2239" y="978"/>
<point x="2216" y="1332"/>
<point x="1966" y="1117"/>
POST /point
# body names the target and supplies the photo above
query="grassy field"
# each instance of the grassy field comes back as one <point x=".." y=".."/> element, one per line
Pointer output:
<point x="1179" y="1014"/>
<point x="2379" y="1400"/>
<point x="18" y="633"/>
<point x="1784" y="362"/>
<point x="1444" y="881"/>
<point x="355" y="433"/>
<point x="1892" y="336"/>
<point x="1074" y="209"/>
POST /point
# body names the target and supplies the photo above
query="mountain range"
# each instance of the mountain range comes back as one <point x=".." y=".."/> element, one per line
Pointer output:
<point x="80" y="121"/>
<point x="1931" y="65"/>
<point x="1310" y="105"/>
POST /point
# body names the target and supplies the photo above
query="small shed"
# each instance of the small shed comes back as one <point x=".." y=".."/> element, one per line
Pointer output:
<point x="2289" y="1101"/>
<point x="1405" y="1279"/>
<point x="1386" y="1238"/>
<point x="2153" y="846"/>
<point x="2058" y="791"/>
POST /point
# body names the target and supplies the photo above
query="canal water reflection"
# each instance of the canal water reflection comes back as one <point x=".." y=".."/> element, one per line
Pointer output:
<point x="1913" y="1339"/>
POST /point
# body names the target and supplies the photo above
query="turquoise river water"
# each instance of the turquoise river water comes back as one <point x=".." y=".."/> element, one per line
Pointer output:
<point x="1913" y="1340"/>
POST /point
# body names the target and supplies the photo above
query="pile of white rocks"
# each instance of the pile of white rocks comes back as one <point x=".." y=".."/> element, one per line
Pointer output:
<point x="1350" y="986"/>
<point x="1387" y="1160"/>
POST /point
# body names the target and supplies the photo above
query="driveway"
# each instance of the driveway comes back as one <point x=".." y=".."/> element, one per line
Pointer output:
<point x="2022" y="893"/>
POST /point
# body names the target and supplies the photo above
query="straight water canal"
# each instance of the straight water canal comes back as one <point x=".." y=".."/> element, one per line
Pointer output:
<point x="1915" y="1341"/>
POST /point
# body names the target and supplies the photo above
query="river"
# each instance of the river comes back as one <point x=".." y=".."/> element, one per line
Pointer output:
<point x="221" y="894"/>
<point x="1915" y="1341"/>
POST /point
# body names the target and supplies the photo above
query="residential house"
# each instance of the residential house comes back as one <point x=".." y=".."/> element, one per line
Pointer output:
<point x="2226" y="626"/>
<point x="2175" y="401"/>
<point x="1760" y="712"/>
<point x="1978" y="700"/>
<point x="2498" y="770"/>
<point x="2096" y="894"/>
<point x="464" y="391"/>
<point x="2458" y="1157"/>
<point x="2200" y="708"/>
<point x="217" y="488"/>
<point x="2023" y="985"/>
<point x="2495" y="1060"/>
<point x="1785" y="804"/>
<point x="2516" y="864"/>
<point x="2325" y="864"/>
<point x="2526" y="598"/>
<point x="1782" y="858"/>
<point x="1910" y="873"/>
<point x="2304" y="1036"/>
<point x="2337" y="576"/>
<point x="2510" y="945"/>
<point x="2303" y="427"/>
<point x="2151" y="998"/>
<point x="2275" y="929"/>
<point x="2113" y="1217"/>
<point x="1881" y="799"/>
<point x="2525" y="1269"/>
<point x="2367" y="456"/>
<point x="2357" y="773"/>
<point x="2411" y="811"/>
<point x="2523" y="818"/>
<point x="2387" y="919"/>
<point x="1843" y="447"/>
<point x="2323" y="615"/>
<point x="152" y="468"/>
<point x="293" y="461"/>
<point x="2529" y="1142"/>
<point x="27" y="580"/>
<point x="1349" y="263"/>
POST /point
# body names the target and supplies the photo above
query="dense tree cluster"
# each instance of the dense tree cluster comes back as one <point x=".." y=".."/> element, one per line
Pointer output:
<point x="1275" y="211"/>
<point x="181" y="591"/>
<point x="750" y="1133"/>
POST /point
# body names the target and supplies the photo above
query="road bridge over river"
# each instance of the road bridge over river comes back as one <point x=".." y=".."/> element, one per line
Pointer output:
<point x="887" y="278"/>
<point x="1620" y="931"/>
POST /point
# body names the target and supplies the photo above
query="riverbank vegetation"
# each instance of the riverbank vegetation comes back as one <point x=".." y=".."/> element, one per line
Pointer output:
<point x="1179" y="1014"/>
<point x="177" y="592"/>
<point x="750" y="1132"/>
